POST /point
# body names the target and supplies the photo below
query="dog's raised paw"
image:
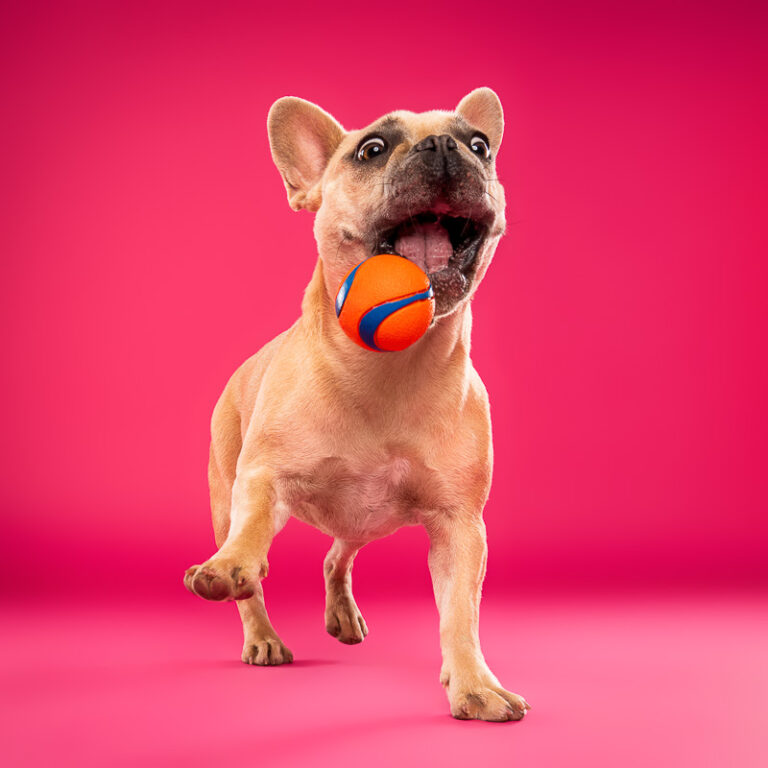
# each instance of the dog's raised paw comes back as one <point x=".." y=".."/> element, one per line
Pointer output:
<point x="213" y="581"/>
<point x="266" y="652"/>
<point x="344" y="621"/>
<point x="493" y="704"/>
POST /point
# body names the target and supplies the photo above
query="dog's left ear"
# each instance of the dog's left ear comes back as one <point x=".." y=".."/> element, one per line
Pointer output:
<point x="482" y="109"/>
<point x="302" y="138"/>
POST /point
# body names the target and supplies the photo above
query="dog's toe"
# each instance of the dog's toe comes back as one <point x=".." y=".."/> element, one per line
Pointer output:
<point x="266" y="652"/>
<point x="344" y="621"/>
<point x="219" y="581"/>
<point x="491" y="703"/>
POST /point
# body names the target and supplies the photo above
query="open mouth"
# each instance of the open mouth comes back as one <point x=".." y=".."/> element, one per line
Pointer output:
<point x="444" y="246"/>
<point x="434" y="241"/>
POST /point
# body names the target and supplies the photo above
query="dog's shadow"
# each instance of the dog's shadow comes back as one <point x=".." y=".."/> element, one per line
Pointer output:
<point x="300" y="663"/>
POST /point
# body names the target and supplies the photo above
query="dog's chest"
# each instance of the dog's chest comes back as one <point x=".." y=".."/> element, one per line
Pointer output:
<point x="356" y="499"/>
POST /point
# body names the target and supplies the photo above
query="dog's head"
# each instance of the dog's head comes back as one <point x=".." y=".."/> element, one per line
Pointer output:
<point x="420" y="185"/>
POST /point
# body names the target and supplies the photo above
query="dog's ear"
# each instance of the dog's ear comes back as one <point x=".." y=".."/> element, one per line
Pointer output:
<point x="482" y="109"/>
<point x="302" y="138"/>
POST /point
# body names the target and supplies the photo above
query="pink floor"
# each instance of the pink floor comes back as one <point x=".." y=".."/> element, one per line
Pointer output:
<point x="671" y="680"/>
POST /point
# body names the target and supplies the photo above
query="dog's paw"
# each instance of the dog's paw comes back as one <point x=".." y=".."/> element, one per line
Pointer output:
<point x="343" y="619"/>
<point x="487" y="703"/>
<point x="220" y="579"/>
<point x="266" y="652"/>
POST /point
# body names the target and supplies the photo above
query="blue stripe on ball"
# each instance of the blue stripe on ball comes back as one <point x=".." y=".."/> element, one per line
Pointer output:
<point x="371" y="320"/>
<point x="341" y="296"/>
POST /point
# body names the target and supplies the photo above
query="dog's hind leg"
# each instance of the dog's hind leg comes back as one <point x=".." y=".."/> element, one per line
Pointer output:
<point x="343" y="620"/>
<point x="261" y="644"/>
<point x="236" y="570"/>
<point x="244" y="521"/>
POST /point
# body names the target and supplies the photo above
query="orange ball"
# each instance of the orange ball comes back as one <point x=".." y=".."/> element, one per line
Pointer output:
<point x="385" y="303"/>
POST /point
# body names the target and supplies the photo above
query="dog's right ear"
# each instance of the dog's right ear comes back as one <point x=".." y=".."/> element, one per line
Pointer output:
<point x="302" y="138"/>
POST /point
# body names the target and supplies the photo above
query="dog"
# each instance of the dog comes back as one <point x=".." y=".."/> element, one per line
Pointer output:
<point x="355" y="442"/>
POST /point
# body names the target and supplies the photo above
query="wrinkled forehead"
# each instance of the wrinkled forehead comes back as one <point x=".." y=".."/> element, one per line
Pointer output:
<point x="412" y="127"/>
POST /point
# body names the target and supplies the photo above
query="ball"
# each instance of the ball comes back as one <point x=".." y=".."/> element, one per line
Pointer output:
<point x="385" y="303"/>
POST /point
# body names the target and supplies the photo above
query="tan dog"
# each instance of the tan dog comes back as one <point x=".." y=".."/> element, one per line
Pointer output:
<point x="360" y="443"/>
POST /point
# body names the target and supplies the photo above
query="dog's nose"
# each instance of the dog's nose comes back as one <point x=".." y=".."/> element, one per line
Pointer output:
<point x="442" y="144"/>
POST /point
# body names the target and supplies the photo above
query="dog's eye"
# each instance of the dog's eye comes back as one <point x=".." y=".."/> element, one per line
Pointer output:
<point x="479" y="145"/>
<point x="370" y="148"/>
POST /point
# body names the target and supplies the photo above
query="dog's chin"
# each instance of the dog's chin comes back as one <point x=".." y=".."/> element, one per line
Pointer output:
<point x="444" y="244"/>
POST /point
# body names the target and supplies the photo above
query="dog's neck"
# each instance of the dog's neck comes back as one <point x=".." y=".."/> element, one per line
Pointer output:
<point x="445" y="347"/>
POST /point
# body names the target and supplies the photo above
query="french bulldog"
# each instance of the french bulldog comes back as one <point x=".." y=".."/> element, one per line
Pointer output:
<point x="356" y="442"/>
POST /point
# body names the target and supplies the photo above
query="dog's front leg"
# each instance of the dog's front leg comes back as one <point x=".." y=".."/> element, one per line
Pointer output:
<point x="235" y="571"/>
<point x="457" y="558"/>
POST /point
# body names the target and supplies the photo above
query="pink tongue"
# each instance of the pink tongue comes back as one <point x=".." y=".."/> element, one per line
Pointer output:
<point x="427" y="245"/>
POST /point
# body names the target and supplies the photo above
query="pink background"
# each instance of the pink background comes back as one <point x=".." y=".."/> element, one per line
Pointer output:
<point x="148" y="249"/>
